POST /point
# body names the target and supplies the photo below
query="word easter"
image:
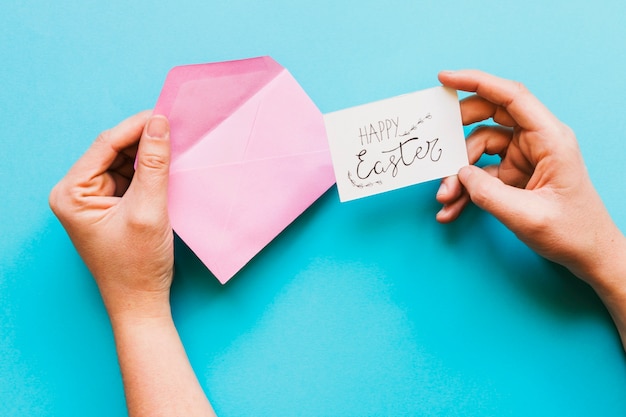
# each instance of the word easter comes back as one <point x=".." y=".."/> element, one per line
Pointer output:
<point x="396" y="142"/>
<point x="407" y="152"/>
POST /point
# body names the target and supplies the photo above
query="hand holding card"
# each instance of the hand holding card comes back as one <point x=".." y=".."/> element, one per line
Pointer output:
<point x="396" y="142"/>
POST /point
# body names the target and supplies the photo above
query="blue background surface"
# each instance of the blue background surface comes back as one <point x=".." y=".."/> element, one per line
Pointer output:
<point x="367" y="308"/>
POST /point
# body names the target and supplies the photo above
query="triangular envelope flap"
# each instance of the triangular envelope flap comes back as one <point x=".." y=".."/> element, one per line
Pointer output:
<point x="280" y="119"/>
<point x="226" y="230"/>
<point x="196" y="98"/>
<point x="224" y="145"/>
<point x="288" y="122"/>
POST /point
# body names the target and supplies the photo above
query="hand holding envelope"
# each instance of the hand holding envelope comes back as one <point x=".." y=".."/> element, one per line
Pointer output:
<point x="250" y="153"/>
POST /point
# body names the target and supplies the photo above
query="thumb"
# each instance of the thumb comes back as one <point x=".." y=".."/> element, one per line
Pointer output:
<point x="149" y="185"/>
<point x="512" y="206"/>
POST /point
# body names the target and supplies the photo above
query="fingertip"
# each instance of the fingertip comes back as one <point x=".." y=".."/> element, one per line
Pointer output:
<point x="465" y="173"/>
<point x="449" y="190"/>
<point x="445" y="75"/>
<point x="442" y="192"/>
<point x="443" y="215"/>
<point x="451" y="211"/>
<point x="442" y="197"/>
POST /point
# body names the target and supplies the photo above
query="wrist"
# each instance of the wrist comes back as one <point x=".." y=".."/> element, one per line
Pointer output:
<point x="604" y="267"/>
<point x="136" y="305"/>
<point x="131" y="326"/>
<point x="608" y="279"/>
<point x="135" y="324"/>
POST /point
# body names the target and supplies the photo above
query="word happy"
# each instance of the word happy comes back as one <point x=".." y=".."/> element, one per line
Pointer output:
<point x="383" y="129"/>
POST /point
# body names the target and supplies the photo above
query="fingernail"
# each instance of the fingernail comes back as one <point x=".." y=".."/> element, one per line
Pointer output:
<point x="158" y="127"/>
<point x="464" y="172"/>
<point x="447" y="72"/>
<point x="443" y="189"/>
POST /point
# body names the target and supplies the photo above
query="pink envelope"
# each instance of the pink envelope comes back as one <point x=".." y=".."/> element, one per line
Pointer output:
<point x="249" y="155"/>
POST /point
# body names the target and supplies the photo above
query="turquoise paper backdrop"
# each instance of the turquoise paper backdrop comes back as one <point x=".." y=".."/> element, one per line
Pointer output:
<point x="367" y="308"/>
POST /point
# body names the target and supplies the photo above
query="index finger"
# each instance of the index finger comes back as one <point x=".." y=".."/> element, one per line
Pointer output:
<point x="527" y="111"/>
<point x="108" y="145"/>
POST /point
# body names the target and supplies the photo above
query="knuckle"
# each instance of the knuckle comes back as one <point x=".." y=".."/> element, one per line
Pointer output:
<point x="536" y="221"/>
<point x="143" y="221"/>
<point x="539" y="222"/>
<point x="104" y="137"/>
<point x="480" y="194"/>
<point x="519" y="88"/>
<point x="61" y="200"/>
<point x="65" y="201"/>
<point x="542" y="215"/>
<point x="154" y="161"/>
<point x="138" y="221"/>
<point x="567" y="131"/>
<point x="479" y="130"/>
<point x="566" y="138"/>
<point x="53" y="199"/>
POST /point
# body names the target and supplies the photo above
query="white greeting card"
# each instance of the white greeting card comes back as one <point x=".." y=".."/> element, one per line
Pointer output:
<point x="396" y="142"/>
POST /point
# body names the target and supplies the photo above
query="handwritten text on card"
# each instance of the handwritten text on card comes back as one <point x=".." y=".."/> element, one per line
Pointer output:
<point x="386" y="145"/>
